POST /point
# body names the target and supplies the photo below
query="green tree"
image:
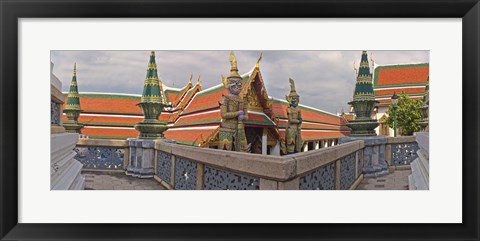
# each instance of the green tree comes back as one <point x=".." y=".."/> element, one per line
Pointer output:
<point x="408" y="115"/>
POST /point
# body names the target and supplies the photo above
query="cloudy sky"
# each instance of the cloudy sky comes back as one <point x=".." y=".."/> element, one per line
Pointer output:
<point x="324" y="79"/>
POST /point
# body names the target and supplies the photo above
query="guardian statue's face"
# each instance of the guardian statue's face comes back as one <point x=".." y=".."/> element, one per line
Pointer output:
<point x="235" y="86"/>
<point x="294" y="101"/>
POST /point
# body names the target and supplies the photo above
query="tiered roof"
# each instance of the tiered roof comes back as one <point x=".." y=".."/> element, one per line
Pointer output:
<point x="408" y="78"/>
<point x="316" y="124"/>
<point x="109" y="115"/>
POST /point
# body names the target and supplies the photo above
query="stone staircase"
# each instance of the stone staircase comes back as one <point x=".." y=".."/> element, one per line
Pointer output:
<point x="419" y="180"/>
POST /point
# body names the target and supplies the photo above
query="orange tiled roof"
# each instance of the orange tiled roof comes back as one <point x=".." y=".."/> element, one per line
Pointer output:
<point x="401" y="75"/>
<point x="109" y="133"/>
<point x="388" y="100"/>
<point x="92" y="119"/>
<point x="109" y="103"/>
<point x="308" y="114"/>
<point x="188" y="136"/>
<point x="389" y="92"/>
<point x="206" y="99"/>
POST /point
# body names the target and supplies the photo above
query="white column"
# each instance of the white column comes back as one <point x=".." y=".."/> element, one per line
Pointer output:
<point x="317" y="145"/>
<point x="325" y="143"/>
<point x="264" y="143"/>
<point x="305" y="147"/>
<point x="275" y="150"/>
<point x="333" y="142"/>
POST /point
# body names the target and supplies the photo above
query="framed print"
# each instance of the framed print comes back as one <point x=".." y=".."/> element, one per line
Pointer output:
<point x="326" y="114"/>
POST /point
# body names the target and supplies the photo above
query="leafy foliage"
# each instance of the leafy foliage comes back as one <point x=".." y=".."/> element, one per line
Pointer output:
<point x="408" y="115"/>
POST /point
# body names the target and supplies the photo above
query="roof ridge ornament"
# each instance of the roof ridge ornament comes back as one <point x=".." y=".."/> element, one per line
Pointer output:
<point x="234" y="68"/>
<point x="258" y="61"/>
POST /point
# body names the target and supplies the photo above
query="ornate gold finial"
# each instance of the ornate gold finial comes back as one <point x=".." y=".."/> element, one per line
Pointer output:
<point x="225" y="81"/>
<point x="152" y="53"/>
<point x="258" y="61"/>
<point x="198" y="80"/>
<point x="191" y="76"/>
<point x="293" y="92"/>
<point x="233" y="64"/>
<point x="355" y="68"/>
<point x="75" y="69"/>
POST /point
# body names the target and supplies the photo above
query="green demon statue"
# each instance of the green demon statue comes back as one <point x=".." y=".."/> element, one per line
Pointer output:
<point x="233" y="110"/>
<point x="293" y="136"/>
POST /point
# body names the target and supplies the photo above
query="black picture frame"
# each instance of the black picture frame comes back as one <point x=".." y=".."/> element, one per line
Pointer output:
<point x="12" y="10"/>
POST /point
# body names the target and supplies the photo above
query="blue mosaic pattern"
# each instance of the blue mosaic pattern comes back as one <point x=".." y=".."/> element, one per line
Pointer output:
<point x="54" y="113"/>
<point x="359" y="162"/>
<point x="404" y="153"/>
<point x="103" y="158"/>
<point x="320" y="179"/>
<point x="347" y="171"/>
<point x="215" y="179"/>
<point x="164" y="166"/>
<point x="185" y="174"/>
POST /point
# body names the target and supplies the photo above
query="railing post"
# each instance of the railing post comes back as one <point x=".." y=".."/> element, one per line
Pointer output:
<point x="266" y="184"/>
<point x="172" y="172"/>
<point x="388" y="154"/>
<point x="337" y="174"/>
<point x="200" y="168"/>
<point x="126" y="157"/>
<point x="356" y="164"/>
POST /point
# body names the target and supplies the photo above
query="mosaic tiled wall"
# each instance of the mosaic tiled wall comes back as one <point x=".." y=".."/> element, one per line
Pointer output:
<point x="359" y="162"/>
<point x="347" y="171"/>
<point x="215" y="179"/>
<point x="103" y="158"/>
<point x="54" y="113"/>
<point x="164" y="165"/>
<point x="404" y="153"/>
<point x="185" y="174"/>
<point x="320" y="179"/>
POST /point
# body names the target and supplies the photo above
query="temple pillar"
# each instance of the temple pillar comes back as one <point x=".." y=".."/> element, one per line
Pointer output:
<point x="275" y="150"/>
<point x="317" y="145"/>
<point x="325" y="143"/>
<point x="264" y="142"/>
<point x="305" y="147"/>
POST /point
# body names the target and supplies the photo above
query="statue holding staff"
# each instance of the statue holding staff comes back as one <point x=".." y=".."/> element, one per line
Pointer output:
<point x="233" y="110"/>
<point x="293" y="137"/>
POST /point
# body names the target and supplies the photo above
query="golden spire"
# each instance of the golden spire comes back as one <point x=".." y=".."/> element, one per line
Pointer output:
<point x="258" y="61"/>
<point x="293" y="92"/>
<point x="233" y="64"/>
<point x="355" y="68"/>
<point x="191" y="76"/>
<point x="75" y="69"/>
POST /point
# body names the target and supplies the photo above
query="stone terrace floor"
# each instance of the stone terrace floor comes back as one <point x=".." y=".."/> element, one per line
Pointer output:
<point x="397" y="180"/>
<point x="120" y="181"/>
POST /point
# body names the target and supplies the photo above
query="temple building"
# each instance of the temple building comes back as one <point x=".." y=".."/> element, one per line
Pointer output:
<point x="410" y="79"/>
<point x="193" y="116"/>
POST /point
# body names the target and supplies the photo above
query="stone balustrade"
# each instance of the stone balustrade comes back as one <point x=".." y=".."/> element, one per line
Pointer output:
<point x="401" y="150"/>
<point x="102" y="155"/>
<point x="183" y="167"/>
<point x="192" y="168"/>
